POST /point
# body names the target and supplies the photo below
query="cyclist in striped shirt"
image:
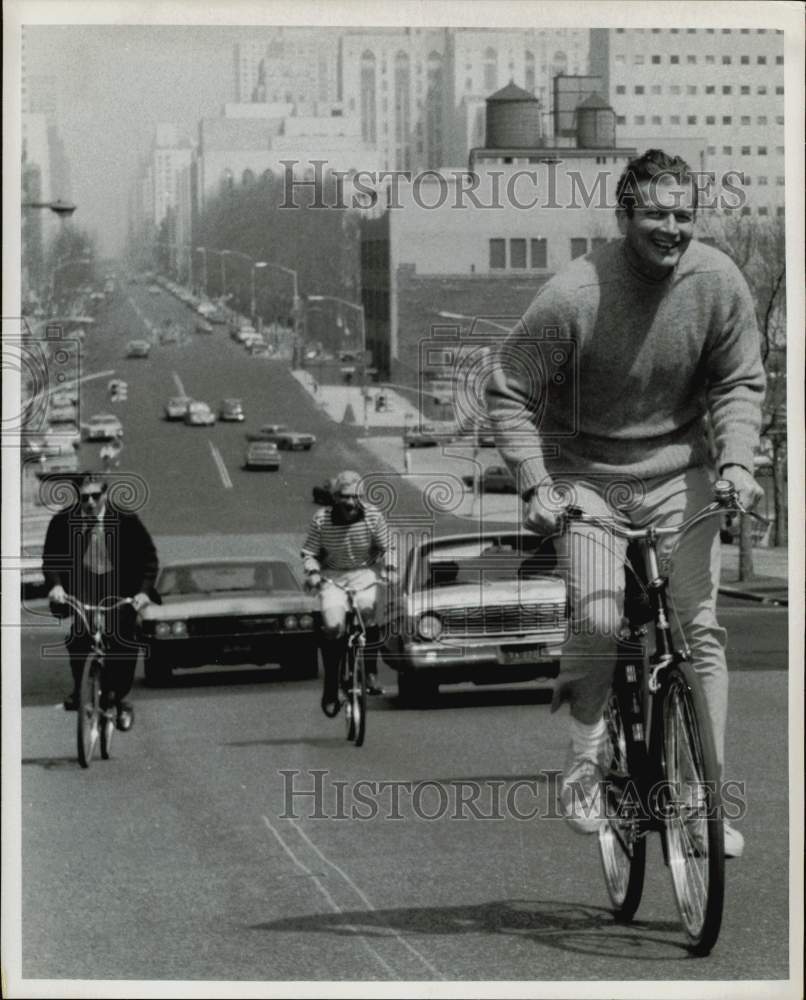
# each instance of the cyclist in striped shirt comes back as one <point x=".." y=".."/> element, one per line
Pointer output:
<point x="345" y="542"/>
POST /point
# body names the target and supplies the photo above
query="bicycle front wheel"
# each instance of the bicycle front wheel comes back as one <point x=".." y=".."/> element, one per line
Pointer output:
<point x="622" y="839"/>
<point x="695" y="839"/>
<point x="89" y="710"/>
<point x="107" y="724"/>
<point x="355" y="709"/>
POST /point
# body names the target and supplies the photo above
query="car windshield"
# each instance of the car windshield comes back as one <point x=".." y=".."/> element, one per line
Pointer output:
<point x="105" y="418"/>
<point x="217" y="578"/>
<point x="266" y="446"/>
<point x="481" y="561"/>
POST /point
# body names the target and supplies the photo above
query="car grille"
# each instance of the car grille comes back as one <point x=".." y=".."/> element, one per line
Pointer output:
<point x="503" y="619"/>
<point x="233" y="625"/>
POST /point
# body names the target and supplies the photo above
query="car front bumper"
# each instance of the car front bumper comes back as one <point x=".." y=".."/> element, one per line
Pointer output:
<point x="539" y="653"/>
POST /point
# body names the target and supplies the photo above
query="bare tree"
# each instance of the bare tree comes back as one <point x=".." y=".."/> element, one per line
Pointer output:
<point x="758" y="248"/>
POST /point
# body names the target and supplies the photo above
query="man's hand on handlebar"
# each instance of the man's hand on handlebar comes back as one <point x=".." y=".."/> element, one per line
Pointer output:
<point x="57" y="595"/>
<point x="141" y="600"/>
<point x="543" y="515"/>
<point x="748" y="490"/>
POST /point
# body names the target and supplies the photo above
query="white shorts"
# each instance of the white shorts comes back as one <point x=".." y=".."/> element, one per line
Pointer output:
<point x="333" y="600"/>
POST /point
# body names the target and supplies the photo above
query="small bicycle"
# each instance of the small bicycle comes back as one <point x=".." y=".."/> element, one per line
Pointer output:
<point x="661" y="773"/>
<point x="96" y="715"/>
<point x="352" y="673"/>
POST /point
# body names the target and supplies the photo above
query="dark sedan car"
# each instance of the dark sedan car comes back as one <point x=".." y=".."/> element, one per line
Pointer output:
<point x="496" y="479"/>
<point x="220" y="610"/>
<point x="231" y="409"/>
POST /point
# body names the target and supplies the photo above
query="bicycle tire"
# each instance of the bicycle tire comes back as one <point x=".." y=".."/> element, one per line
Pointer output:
<point x="347" y="688"/>
<point x="693" y="831"/>
<point x="89" y="709"/>
<point x="622" y="839"/>
<point x="107" y="731"/>
<point x="359" y="696"/>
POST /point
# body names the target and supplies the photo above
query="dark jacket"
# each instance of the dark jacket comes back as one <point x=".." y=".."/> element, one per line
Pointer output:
<point x="129" y="548"/>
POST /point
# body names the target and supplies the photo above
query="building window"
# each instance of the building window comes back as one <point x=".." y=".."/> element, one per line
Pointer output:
<point x="711" y="150"/>
<point x="762" y="90"/>
<point x="691" y="60"/>
<point x="761" y="181"/>
<point x="726" y="60"/>
<point x="780" y="181"/>
<point x="656" y="60"/>
<point x="745" y="90"/>
<point x="710" y="89"/>
<point x="640" y="119"/>
<point x="621" y="89"/>
<point x="657" y="120"/>
<point x="620" y="58"/>
<point x="762" y="210"/>
<point x="490" y="70"/>
<point x="498" y="254"/>
<point x="517" y="253"/>
<point x="762" y="150"/>
<point x="599" y="241"/>
<point x="779" y="150"/>
<point x="745" y="210"/>
<point x="675" y="89"/>
<point x="709" y="60"/>
<point x="779" y="60"/>
<point x="745" y="119"/>
<point x="691" y="120"/>
<point x="674" y="60"/>
<point x="762" y="119"/>
<point x="691" y="89"/>
<point x="779" y="91"/>
<point x="761" y="61"/>
<point x="727" y="150"/>
<point x="655" y="88"/>
<point x="674" y="120"/>
<point x="747" y="180"/>
<point x="638" y="59"/>
<point x="621" y="119"/>
<point x="727" y="90"/>
<point x="539" y="251"/>
<point x="779" y="119"/>
<point x="745" y="150"/>
<point x="579" y="247"/>
<point x="710" y="120"/>
<point x="727" y="120"/>
<point x="779" y="211"/>
<point x="639" y="89"/>
<point x="744" y="60"/>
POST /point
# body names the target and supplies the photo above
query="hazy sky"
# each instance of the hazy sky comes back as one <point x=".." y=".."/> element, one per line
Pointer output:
<point x="114" y="84"/>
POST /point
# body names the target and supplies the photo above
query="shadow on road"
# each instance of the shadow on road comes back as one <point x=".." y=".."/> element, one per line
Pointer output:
<point x="49" y="763"/>
<point x="588" y="930"/>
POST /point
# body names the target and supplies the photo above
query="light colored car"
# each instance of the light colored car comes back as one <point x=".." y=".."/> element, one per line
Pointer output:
<point x="219" y="610"/>
<point x="262" y="455"/>
<point x="103" y="427"/>
<point x="66" y="414"/>
<point x="231" y="409"/>
<point x="61" y="439"/>
<point x="283" y="437"/>
<point x="63" y="399"/>
<point x="481" y="607"/>
<point x="55" y="466"/>
<point x="421" y="437"/>
<point x="176" y="408"/>
<point x="138" y="349"/>
<point x="199" y="415"/>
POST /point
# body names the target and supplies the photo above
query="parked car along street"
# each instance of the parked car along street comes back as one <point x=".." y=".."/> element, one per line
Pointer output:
<point x="283" y="437"/>
<point x="231" y="409"/>
<point x="103" y="427"/>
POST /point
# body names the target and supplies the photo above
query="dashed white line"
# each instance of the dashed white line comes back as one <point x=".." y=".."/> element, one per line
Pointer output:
<point x="222" y="469"/>
<point x="178" y="383"/>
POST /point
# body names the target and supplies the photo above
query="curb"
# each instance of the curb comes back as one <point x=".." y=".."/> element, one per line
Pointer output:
<point x="748" y="595"/>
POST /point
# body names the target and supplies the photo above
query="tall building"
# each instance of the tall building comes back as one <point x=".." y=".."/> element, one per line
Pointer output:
<point x="724" y="85"/>
<point x="292" y="66"/>
<point x="170" y="153"/>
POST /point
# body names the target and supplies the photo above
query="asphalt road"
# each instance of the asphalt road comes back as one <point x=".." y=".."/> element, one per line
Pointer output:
<point x="188" y="855"/>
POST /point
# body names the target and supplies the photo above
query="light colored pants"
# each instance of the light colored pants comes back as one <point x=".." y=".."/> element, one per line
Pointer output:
<point x="333" y="601"/>
<point x="592" y="561"/>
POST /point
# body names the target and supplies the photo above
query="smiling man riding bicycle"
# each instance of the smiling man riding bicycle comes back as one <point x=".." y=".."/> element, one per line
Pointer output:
<point x="347" y="540"/>
<point x="662" y="334"/>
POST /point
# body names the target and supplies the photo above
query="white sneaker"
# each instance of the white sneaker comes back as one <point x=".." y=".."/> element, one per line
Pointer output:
<point x="582" y="795"/>
<point x="734" y="841"/>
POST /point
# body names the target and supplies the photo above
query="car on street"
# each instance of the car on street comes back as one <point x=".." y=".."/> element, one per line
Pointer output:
<point x="421" y="437"/>
<point x="283" y="437"/>
<point x="204" y="326"/>
<point x="61" y="438"/>
<point x="231" y="409"/>
<point x="262" y="455"/>
<point x="138" y="349"/>
<point x="103" y="427"/>
<point x="67" y="413"/>
<point x="483" y="607"/>
<point x="176" y="408"/>
<point x="199" y="414"/>
<point x="495" y="479"/>
<point x="55" y="466"/>
<point x="63" y="399"/>
<point x="220" y="610"/>
<point x="323" y="494"/>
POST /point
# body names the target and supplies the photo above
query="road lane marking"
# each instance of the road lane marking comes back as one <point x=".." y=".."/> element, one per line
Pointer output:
<point x="364" y="898"/>
<point x="222" y="469"/>
<point x="178" y="383"/>
<point x="334" y="905"/>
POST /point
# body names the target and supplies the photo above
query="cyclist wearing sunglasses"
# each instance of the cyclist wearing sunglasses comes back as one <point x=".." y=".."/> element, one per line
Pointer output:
<point x="346" y="541"/>
<point x="654" y="333"/>
<point x="94" y="551"/>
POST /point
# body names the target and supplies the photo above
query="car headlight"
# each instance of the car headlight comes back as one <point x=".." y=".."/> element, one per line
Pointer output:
<point x="179" y="628"/>
<point x="162" y="629"/>
<point x="430" y="626"/>
<point x="290" y="622"/>
<point x="306" y="622"/>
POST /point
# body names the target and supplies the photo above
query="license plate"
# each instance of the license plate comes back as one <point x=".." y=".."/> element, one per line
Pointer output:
<point x="520" y="654"/>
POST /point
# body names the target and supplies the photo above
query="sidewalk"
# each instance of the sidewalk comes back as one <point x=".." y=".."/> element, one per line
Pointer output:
<point x="345" y="404"/>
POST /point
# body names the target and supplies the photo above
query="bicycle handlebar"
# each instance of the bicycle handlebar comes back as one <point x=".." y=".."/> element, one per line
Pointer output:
<point x="725" y="498"/>
<point x="352" y="590"/>
<point x="81" y="608"/>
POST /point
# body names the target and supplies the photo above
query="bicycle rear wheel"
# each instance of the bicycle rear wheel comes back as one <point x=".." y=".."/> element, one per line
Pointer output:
<point x="695" y="839"/>
<point x="622" y="840"/>
<point x="107" y="724"/>
<point x="89" y="710"/>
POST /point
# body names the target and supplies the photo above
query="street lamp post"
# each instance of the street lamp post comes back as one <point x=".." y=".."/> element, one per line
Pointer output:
<point x="254" y="264"/>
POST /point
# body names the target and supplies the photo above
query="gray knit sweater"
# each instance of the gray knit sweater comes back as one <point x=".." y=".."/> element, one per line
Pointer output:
<point x="611" y="372"/>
